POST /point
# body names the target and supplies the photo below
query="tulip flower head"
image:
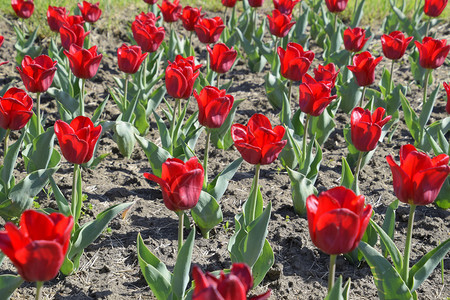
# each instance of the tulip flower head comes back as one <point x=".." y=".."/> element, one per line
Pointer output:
<point x="170" y="10"/>
<point x="221" y="58"/>
<point x="151" y="2"/>
<point x="90" y="12"/>
<point x="337" y="220"/>
<point x="83" y="63"/>
<point x="419" y="178"/>
<point x="208" y="30"/>
<point x="130" y="58"/>
<point x="295" y="61"/>
<point x="354" y="39"/>
<point x="394" y="44"/>
<point x="23" y="8"/>
<point x="336" y="6"/>
<point x="181" y="183"/>
<point x="37" y="74"/>
<point x="326" y="73"/>
<point x="366" y="127"/>
<point x="190" y="17"/>
<point x="285" y="6"/>
<point x="432" y="52"/>
<point x="147" y="35"/>
<point x="314" y="96"/>
<point x="56" y="17"/>
<point x="229" y="3"/>
<point x="72" y="34"/>
<point x="147" y="18"/>
<point x="364" y="68"/>
<point x="1" y="43"/>
<point x="16" y="109"/>
<point x="433" y="8"/>
<point x="180" y="77"/>
<point x="279" y="23"/>
<point x="214" y="105"/>
<point x="72" y="20"/>
<point x="447" y="90"/>
<point x="255" y="3"/>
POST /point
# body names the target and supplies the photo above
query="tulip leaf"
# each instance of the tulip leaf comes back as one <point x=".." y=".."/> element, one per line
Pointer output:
<point x="347" y="177"/>
<point x="128" y="114"/>
<point x="124" y="136"/>
<point x="301" y="25"/>
<point x="301" y="188"/>
<point x="310" y="167"/>
<point x="9" y="163"/>
<point x="99" y="110"/>
<point x="358" y="15"/>
<point x="207" y="213"/>
<point x="156" y="155"/>
<point x="323" y="125"/>
<point x="390" y="246"/>
<point x="336" y="291"/>
<point x="236" y="238"/>
<point x="164" y="134"/>
<point x="249" y="205"/>
<point x="180" y="277"/>
<point x="411" y="119"/>
<point x="219" y="185"/>
<point x="263" y="264"/>
<point x="221" y="137"/>
<point x="423" y="268"/>
<point x="8" y="284"/>
<point x="61" y="201"/>
<point x="389" y="223"/>
<point x="388" y="281"/>
<point x="427" y="108"/>
<point x="443" y="199"/>
<point x="155" y="272"/>
<point x="40" y="151"/>
<point x="276" y="92"/>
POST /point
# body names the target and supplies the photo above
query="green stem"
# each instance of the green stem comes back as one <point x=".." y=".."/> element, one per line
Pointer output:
<point x="218" y="81"/>
<point x="83" y="86"/>
<point x="180" y="229"/>
<point x="362" y="97"/>
<point x="425" y="86"/>
<point x="405" y="270"/>
<point x="428" y="27"/>
<point x="39" y="285"/>
<point x="225" y="16"/>
<point x="331" y="271"/>
<point x="290" y="91"/>
<point x="335" y="21"/>
<point x="357" y="170"/>
<point x="38" y="110"/>
<point x="255" y="198"/>
<point x="125" y="93"/>
<point x="275" y="55"/>
<point x="205" y="158"/>
<point x="305" y="138"/>
<point x="6" y="143"/>
<point x="391" y="83"/>
<point x="174" y="118"/>
<point x="190" y="46"/>
<point x="144" y="72"/>
<point x="76" y="199"/>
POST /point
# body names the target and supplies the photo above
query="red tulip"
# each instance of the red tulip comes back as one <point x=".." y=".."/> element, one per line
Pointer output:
<point x="170" y="11"/>
<point x="394" y="44"/>
<point x="73" y="20"/>
<point x="314" y="96"/>
<point x="209" y="30"/>
<point x="15" y="109"/>
<point x="38" y="248"/>
<point x="279" y="24"/>
<point x="180" y="77"/>
<point x="419" y="178"/>
<point x="354" y="39"/>
<point x="336" y="6"/>
<point x="147" y="18"/>
<point x="83" y="63"/>
<point x="147" y="35"/>
<point x="255" y="3"/>
<point x="294" y="61"/>
<point x="366" y="127"/>
<point x="326" y="73"/>
<point x="447" y="89"/>
<point x="77" y="140"/>
<point x="56" y="17"/>
<point x="432" y="52"/>
<point x="181" y="183"/>
<point x="257" y="142"/>
<point x="221" y="58"/>
<point x="37" y="74"/>
<point x="190" y="17"/>
<point x="74" y="34"/>
<point x="433" y="8"/>
<point x="130" y="58"/>
<point x="337" y="220"/>
<point x="90" y="12"/>
<point x="151" y="2"/>
<point x="364" y="68"/>
<point x="285" y="6"/>
<point x="23" y="9"/>
<point x="213" y="106"/>
<point x="1" y="43"/>
<point x="229" y="3"/>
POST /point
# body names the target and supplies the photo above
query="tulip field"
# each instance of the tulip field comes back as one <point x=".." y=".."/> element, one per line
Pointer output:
<point x="250" y="149"/>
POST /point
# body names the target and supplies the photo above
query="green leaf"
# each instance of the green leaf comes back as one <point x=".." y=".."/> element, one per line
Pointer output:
<point x="427" y="108"/>
<point x="166" y="140"/>
<point x="301" y="188"/>
<point x="336" y="291"/>
<point x="9" y="163"/>
<point x="61" y="201"/>
<point x="99" y="110"/>
<point x="182" y="267"/>
<point x="221" y="137"/>
<point x="276" y="91"/>
<point x="207" y="213"/>
<point x="219" y="185"/>
<point x="389" y="223"/>
<point x="263" y="264"/>
<point x="40" y="152"/>
<point x="350" y="94"/>
<point x="249" y="204"/>
<point x="347" y="177"/>
<point x="411" y="119"/>
<point x="156" y="155"/>
<point x="127" y="115"/>
<point x="8" y="284"/>
<point x="390" y="246"/>
<point x="124" y="136"/>
<point x="358" y="15"/>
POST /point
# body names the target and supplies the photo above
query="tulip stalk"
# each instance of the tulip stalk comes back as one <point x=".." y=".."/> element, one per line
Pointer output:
<point x="362" y="97"/>
<point x="305" y="138"/>
<point x="38" y="110"/>
<point x="125" y="93"/>
<point x="425" y="85"/>
<point x="218" y="81"/>
<point x="180" y="229"/>
<point x="391" y="83"/>
<point x="205" y="158"/>
<point x="174" y="118"/>
<point x="331" y="271"/>
<point x="335" y="21"/>
<point x="405" y="270"/>
<point x="6" y="142"/>
<point x="76" y="194"/>
<point x="83" y="86"/>
<point x="255" y="198"/>
<point x="357" y="170"/>
<point x="39" y="285"/>
<point x="290" y="91"/>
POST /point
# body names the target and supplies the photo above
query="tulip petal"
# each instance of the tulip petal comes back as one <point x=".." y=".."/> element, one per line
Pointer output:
<point x="37" y="225"/>
<point x="428" y="183"/>
<point x="186" y="189"/>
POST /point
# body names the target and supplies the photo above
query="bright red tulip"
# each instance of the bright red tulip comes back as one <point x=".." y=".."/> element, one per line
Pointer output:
<point x="90" y="12"/>
<point x="394" y="44"/>
<point x="326" y="73"/>
<point x="15" y="109"/>
<point x="354" y="39"/>
<point x="336" y="6"/>
<point x="447" y="89"/>
<point x="23" y="8"/>
<point x="147" y="18"/>
<point x="74" y="34"/>
<point x="190" y="17"/>
<point x="229" y="3"/>
<point x="37" y="74"/>
<point x="83" y="63"/>
<point x="432" y="52"/>
<point x="181" y="183"/>
<point x="214" y="105"/>
<point x="337" y="220"/>
<point x="364" y="68"/>
<point x="366" y="127"/>
<point x="130" y="58"/>
<point x="279" y="24"/>
<point x="77" y="140"/>
<point x="38" y="248"/>
<point x="208" y="30"/>
<point x="73" y="20"/>
<point x="147" y="35"/>
<point x="56" y="17"/>
<point x="294" y="61"/>
<point x="1" y="43"/>
<point x="285" y="6"/>
<point x="314" y="96"/>
<point x="170" y="10"/>
<point x="433" y="8"/>
<point x="257" y="142"/>
<point x="255" y="3"/>
<point x="180" y="77"/>
<point x="419" y="178"/>
<point x="151" y="2"/>
<point x="221" y="58"/>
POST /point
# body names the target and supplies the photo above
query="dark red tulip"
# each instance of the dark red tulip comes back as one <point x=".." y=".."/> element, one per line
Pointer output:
<point x="354" y="39"/>
<point x="447" y="89"/>
<point x="432" y="52"/>
<point x="433" y="8"/>
<point x="147" y="36"/>
<point x="15" y="109"/>
<point x="337" y="220"/>
<point x="73" y="20"/>
<point x="181" y="183"/>
<point x="147" y="18"/>
<point x="151" y="2"/>
<point x="257" y="142"/>
<point x="37" y="249"/>
<point x="77" y="140"/>
<point x="394" y="44"/>
<point x="37" y="74"/>
<point x="364" y="68"/>
<point x="208" y="30"/>
<point x="56" y="17"/>
<point x="336" y="6"/>
<point x="23" y="8"/>
<point x="326" y="73"/>
<point x="229" y="3"/>
<point x="255" y="3"/>
<point x="130" y="58"/>
<point x="366" y="127"/>
<point x="214" y="105"/>
<point x="74" y="34"/>
<point x="419" y="178"/>
<point x="170" y="10"/>
<point x="180" y="77"/>
<point x="294" y="61"/>
<point x="314" y="96"/>
<point x="90" y="12"/>
<point x="190" y="17"/>
<point x="285" y="6"/>
<point x="280" y="24"/>
<point x="221" y="58"/>
<point x="83" y="63"/>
